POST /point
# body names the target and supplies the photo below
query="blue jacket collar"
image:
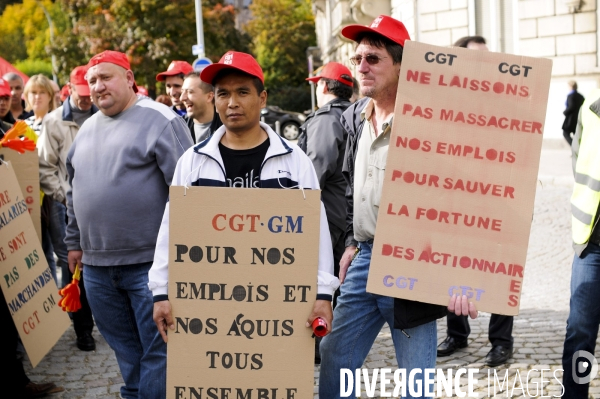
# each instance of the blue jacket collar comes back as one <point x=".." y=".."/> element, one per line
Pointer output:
<point x="67" y="113"/>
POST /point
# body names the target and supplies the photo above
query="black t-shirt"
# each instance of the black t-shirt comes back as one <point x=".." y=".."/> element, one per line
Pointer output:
<point x="242" y="167"/>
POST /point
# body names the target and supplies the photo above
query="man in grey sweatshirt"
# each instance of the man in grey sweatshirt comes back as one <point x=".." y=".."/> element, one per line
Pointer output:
<point x="120" y="167"/>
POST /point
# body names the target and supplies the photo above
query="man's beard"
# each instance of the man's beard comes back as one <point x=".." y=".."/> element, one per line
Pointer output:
<point x="368" y="91"/>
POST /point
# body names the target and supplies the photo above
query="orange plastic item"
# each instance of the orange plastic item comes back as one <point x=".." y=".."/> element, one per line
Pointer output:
<point x="70" y="301"/>
<point x="20" y="138"/>
<point x="19" y="145"/>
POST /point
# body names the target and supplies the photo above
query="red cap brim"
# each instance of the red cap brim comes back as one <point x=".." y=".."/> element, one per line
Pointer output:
<point x="82" y="90"/>
<point x="314" y="79"/>
<point x="353" y="31"/>
<point x="209" y="73"/>
<point x="163" y="75"/>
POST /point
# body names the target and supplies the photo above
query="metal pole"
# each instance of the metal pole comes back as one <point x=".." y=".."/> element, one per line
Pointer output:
<point x="199" y="27"/>
<point x="54" y="77"/>
<point x="312" y="85"/>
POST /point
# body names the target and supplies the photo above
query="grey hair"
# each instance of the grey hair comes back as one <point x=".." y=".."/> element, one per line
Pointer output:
<point x="11" y="76"/>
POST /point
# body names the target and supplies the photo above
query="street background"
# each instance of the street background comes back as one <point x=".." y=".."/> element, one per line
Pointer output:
<point x="538" y="331"/>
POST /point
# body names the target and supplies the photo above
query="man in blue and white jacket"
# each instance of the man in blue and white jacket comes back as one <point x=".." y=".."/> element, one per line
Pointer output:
<point x="247" y="154"/>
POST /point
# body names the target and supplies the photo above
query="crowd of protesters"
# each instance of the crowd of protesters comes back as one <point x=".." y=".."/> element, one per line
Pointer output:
<point x="109" y="153"/>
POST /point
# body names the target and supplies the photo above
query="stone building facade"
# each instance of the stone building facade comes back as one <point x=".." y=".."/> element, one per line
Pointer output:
<point x="563" y="30"/>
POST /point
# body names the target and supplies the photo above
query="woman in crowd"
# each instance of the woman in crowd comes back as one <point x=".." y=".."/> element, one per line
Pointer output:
<point x="39" y="98"/>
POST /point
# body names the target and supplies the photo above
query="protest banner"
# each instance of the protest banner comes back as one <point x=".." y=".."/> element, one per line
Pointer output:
<point x="27" y="283"/>
<point x="460" y="178"/>
<point x="27" y="169"/>
<point x="242" y="283"/>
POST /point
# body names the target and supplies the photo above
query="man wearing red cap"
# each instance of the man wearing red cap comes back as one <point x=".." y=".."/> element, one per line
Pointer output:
<point x="323" y="139"/>
<point x="359" y="315"/>
<point x="173" y="78"/>
<point x="243" y="153"/>
<point x="58" y="132"/>
<point x="120" y="167"/>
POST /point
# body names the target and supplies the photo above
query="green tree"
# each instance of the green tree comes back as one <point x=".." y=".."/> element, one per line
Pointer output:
<point x="33" y="67"/>
<point x="4" y="3"/>
<point x="281" y="32"/>
<point x="151" y="32"/>
<point x="220" y="34"/>
<point x="24" y="30"/>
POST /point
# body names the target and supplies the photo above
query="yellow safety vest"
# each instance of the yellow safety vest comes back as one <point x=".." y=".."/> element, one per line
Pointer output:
<point x="586" y="192"/>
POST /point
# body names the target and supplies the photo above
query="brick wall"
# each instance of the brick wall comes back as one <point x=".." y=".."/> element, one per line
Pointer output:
<point x="442" y="22"/>
<point x="547" y="29"/>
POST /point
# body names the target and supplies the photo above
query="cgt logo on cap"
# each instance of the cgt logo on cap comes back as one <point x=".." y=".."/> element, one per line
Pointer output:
<point x="376" y="22"/>
<point x="228" y="59"/>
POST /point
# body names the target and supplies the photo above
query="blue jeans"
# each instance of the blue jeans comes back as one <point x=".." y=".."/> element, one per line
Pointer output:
<point x="584" y="318"/>
<point x="357" y="319"/>
<point x="122" y="306"/>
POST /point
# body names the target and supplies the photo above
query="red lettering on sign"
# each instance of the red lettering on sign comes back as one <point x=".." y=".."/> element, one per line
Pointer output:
<point x="17" y="242"/>
<point x="457" y="218"/>
<point x="214" y="221"/>
<point x="515" y="286"/>
<point x="500" y="88"/>
<point x="397" y="251"/>
<point x="4" y="198"/>
<point x="416" y="76"/>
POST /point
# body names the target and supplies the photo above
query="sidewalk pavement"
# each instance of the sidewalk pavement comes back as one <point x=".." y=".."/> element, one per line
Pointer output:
<point x="538" y="331"/>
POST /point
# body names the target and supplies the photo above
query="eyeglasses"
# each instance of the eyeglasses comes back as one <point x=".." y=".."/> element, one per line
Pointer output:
<point x="370" y="58"/>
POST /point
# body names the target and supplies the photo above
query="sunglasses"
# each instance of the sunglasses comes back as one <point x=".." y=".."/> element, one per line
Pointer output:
<point x="370" y="58"/>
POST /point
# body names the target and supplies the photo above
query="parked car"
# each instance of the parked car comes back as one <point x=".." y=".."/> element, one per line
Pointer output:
<point x="289" y="122"/>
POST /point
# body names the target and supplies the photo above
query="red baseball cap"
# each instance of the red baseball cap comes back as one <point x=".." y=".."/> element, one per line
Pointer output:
<point x="334" y="70"/>
<point x="78" y="81"/>
<point x="4" y="88"/>
<point x="233" y="60"/>
<point x="175" y="68"/>
<point x="382" y="25"/>
<point x="64" y="93"/>
<point x="143" y="91"/>
<point x="113" y="57"/>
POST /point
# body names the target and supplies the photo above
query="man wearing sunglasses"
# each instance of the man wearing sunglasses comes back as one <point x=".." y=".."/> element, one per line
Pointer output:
<point x="359" y="316"/>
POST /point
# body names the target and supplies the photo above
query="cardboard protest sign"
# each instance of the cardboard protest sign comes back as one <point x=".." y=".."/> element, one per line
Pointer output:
<point x="27" y="168"/>
<point x="242" y="283"/>
<point x="460" y="179"/>
<point x="27" y="282"/>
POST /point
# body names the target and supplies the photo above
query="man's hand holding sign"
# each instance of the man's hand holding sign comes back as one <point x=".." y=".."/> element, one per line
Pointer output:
<point x="461" y="306"/>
